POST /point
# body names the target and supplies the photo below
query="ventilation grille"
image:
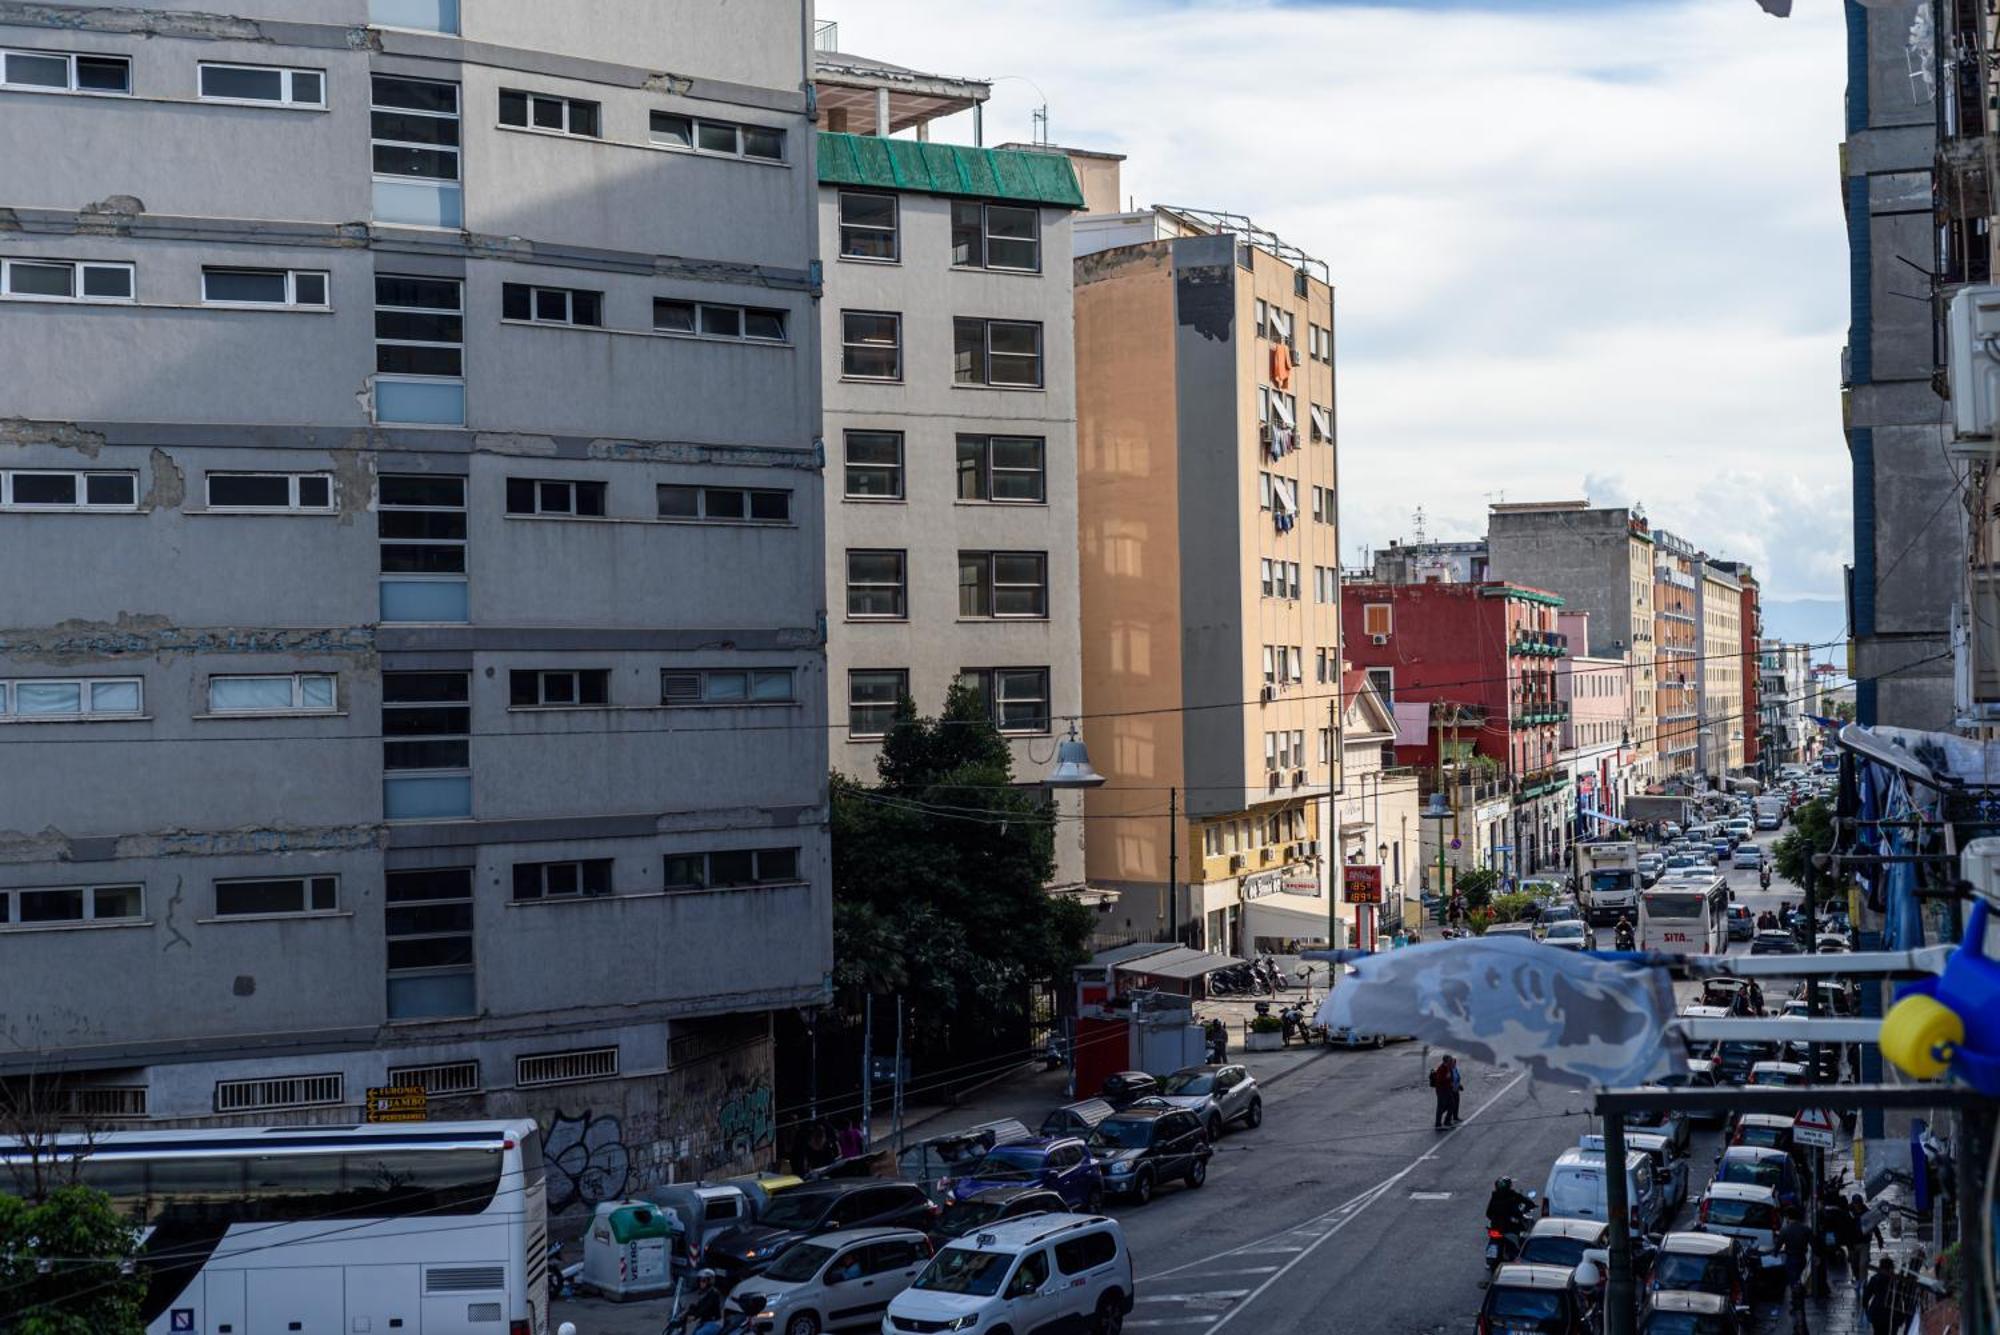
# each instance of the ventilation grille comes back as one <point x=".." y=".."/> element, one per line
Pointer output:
<point x="296" y="1091"/>
<point x="445" y="1078"/>
<point x="121" y="1101"/>
<point x="562" y="1068"/>
<point x="464" y="1278"/>
<point x="478" y="1313"/>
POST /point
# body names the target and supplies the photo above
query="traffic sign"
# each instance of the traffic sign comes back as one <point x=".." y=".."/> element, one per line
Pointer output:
<point x="398" y="1103"/>
<point x="1813" y="1126"/>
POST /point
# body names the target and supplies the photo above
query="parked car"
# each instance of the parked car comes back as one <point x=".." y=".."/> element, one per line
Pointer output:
<point x="948" y="1155"/>
<point x="1554" y="911"/>
<point x="1650" y="865"/>
<point x="1124" y="1088"/>
<point x="701" y="1210"/>
<point x="1061" y="1163"/>
<point x="839" y="1281"/>
<point x="1576" y="1188"/>
<point x="1701" y="1263"/>
<point x="1218" y="1095"/>
<point x="1524" y="930"/>
<point x="1760" y="1167"/>
<point x="1774" y="943"/>
<point x="1670" y="1166"/>
<point x="1141" y="1148"/>
<point x="991" y="1206"/>
<point x="1742" y="923"/>
<point x="1747" y="855"/>
<point x="1661" y="1122"/>
<point x="1568" y="935"/>
<point x="1771" y="1131"/>
<point x="1076" y="1119"/>
<point x="812" y="1209"/>
<point x="1545" y="1299"/>
<point x="1735" y="1056"/>
<point x="1783" y="1074"/>
<point x="1049" y="1272"/>
<point x="1679" y="1312"/>
<point x="1751" y="1215"/>
<point x="1702" y="1075"/>
<point x="1563" y="1241"/>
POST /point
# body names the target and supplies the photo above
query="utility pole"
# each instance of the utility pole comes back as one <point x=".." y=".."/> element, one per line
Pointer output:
<point x="1173" y="864"/>
<point x="867" y="1066"/>
<point x="1620" y="1289"/>
<point x="897" y="1101"/>
<point x="1331" y="835"/>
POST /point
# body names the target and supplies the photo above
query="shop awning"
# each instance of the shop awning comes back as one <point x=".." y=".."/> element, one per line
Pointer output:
<point x="1301" y="918"/>
<point x="1179" y="963"/>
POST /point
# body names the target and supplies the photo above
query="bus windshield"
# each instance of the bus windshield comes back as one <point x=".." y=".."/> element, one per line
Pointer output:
<point x="1676" y="906"/>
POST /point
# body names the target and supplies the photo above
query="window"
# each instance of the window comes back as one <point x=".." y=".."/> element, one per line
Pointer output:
<point x="420" y="349"/>
<point x="868" y="226"/>
<point x="1265" y="491"/>
<point x="72" y="903"/>
<point x="1326" y="584"/>
<point x="65" y="280"/>
<point x="1376" y="618"/>
<point x="414" y="147"/>
<point x="701" y="135"/>
<point x="873" y="695"/>
<point x="749" y="866"/>
<point x="196" y="1188"/>
<point x="1002" y="468"/>
<point x="553" y="496"/>
<point x="1322" y="422"/>
<point x="871" y="345"/>
<point x="1321" y="666"/>
<point x="532" y="688"/>
<point x="1017" y="699"/>
<point x="1384" y="682"/>
<point x="427" y="919"/>
<point x="37" y="489"/>
<point x="261" y="84"/>
<point x="1278" y="579"/>
<point x="996" y="236"/>
<point x="874" y="465"/>
<point x="551" y="305"/>
<point x="30" y="699"/>
<point x="423" y="15"/>
<point x="269" y="491"/>
<point x="754" y="323"/>
<point x="877" y="584"/>
<point x="561" y="1068"/>
<point x="590" y="877"/>
<point x="293" y="693"/>
<point x="725" y="505"/>
<point x="263" y="287"/>
<point x="998" y="353"/>
<point x="1003" y="584"/>
<point x="426" y="745"/>
<point x="420" y="519"/>
<point x="291" y="894"/>
<point x="726" y="686"/>
<point x="543" y="111"/>
<point x="60" y="72"/>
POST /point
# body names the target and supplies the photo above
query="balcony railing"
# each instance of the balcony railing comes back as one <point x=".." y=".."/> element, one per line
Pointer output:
<point x="1539" y="643"/>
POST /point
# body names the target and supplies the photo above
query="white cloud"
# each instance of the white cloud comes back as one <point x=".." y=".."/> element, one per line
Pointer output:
<point x="1569" y="242"/>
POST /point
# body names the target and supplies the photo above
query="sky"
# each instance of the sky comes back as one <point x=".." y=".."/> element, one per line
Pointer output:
<point x="1582" y="248"/>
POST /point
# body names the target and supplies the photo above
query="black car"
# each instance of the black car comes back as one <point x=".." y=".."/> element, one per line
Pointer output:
<point x="1139" y="1149"/>
<point x="1124" y="1088"/>
<point x="1774" y="943"/>
<point x="817" y="1207"/>
<point x="1076" y="1119"/>
<point x="990" y="1207"/>
<point x="1734" y="1057"/>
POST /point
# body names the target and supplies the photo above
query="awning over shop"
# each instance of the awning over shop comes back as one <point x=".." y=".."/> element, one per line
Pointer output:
<point x="1302" y="918"/>
<point x="1179" y="962"/>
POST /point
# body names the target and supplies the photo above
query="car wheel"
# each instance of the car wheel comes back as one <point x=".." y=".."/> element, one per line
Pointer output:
<point x="1142" y="1186"/>
<point x="805" y="1323"/>
<point x="1093" y="1202"/>
<point x="1214" y="1128"/>
<point x="1255" y="1116"/>
<point x="1380" y="1039"/>
<point x="1197" y="1172"/>
<point x="1110" y="1318"/>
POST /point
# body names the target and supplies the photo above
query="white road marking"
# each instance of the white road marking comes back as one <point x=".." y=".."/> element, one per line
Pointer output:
<point x="1203" y="1296"/>
<point x="1240" y="1270"/>
<point x="1342" y="1215"/>
<point x="1430" y="1195"/>
<point x="1170" y="1321"/>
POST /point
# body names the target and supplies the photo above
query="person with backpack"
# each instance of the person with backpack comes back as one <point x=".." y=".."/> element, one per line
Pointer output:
<point x="1446" y="1082"/>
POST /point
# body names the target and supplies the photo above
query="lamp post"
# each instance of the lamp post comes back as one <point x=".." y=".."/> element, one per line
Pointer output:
<point x="1439" y="810"/>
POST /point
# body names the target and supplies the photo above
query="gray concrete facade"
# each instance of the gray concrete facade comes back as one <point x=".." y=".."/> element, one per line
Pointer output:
<point x="139" y="602"/>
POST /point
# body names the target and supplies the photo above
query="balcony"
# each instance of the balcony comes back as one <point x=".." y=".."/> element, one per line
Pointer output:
<point x="1542" y="711"/>
<point x="1539" y="644"/>
<point x="1539" y="782"/>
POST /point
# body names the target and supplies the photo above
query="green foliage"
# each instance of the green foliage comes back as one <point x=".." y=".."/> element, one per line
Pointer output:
<point x="939" y="874"/>
<point x="1479" y="920"/>
<point x="1515" y="907"/>
<point x="1811" y="832"/>
<point x="1266" y="1024"/>
<point x="76" y="1297"/>
<point x="1476" y="887"/>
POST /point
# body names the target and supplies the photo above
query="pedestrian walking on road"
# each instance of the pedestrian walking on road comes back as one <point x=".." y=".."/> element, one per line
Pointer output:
<point x="1877" y="1298"/>
<point x="1446" y="1082"/>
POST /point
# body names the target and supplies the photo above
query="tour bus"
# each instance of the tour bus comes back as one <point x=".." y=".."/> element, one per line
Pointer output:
<point x="1686" y="917"/>
<point x="426" y="1226"/>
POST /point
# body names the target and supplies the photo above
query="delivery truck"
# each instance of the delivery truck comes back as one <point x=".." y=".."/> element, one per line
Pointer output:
<point x="1607" y="881"/>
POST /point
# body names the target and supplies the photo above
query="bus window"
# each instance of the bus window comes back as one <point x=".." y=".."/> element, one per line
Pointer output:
<point x="405" y="1182"/>
<point x="531" y="1160"/>
<point x="195" y="1190"/>
<point x="1675" y="906"/>
<point x="123" y="1180"/>
<point x="293" y="1186"/>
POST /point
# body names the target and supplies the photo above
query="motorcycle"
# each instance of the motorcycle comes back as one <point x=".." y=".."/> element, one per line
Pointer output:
<point x="1764" y="878"/>
<point x="1294" y="1019"/>
<point x="1504" y="1244"/>
<point x="1623" y="939"/>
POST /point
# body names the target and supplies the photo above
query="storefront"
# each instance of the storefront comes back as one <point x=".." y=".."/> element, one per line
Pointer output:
<point x="1285" y="911"/>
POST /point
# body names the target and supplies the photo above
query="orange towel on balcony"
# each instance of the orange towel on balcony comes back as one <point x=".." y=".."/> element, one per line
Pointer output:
<point x="1281" y="366"/>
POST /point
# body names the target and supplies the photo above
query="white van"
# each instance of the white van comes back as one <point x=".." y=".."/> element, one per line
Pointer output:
<point x="1039" y="1272"/>
<point x="1577" y="1189"/>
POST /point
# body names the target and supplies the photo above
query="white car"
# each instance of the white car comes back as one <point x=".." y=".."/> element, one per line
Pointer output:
<point x="1747" y="1213"/>
<point x="1568" y="936"/>
<point x="1040" y="1272"/>
<point x="1747" y="855"/>
<point x="835" y="1281"/>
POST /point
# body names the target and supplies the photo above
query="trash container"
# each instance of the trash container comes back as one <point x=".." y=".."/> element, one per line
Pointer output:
<point x="627" y="1251"/>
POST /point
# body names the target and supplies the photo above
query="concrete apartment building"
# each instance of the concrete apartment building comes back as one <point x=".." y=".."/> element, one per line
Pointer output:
<point x="1677" y="648"/>
<point x="1597" y="728"/>
<point x="1210" y="575"/>
<point x="1909" y="541"/>
<point x="412" y="672"/>
<point x="1600" y="560"/>
<point x="1749" y="719"/>
<point x="950" y="394"/>
<point x="1719" y="672"/>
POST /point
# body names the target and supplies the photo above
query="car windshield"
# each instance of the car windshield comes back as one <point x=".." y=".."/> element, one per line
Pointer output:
<point x="1743" y="1051"/>
<point x="1190" y="1082"/>
<point x="1556" y="1250"/>
<point x="1117" y="1133"/>
<point x="794" y="1211"/>
<point x="1009" y="1163"/>
<point x="961" y="1217"/>
<point x="1526" y="1304"/>
<point x="1566" y="929"/>
<point x="1765" y="1137"/>
<point x="1754" y="1172"/>
<point x="801" y="1263"/>
<point x="1679" y="1270"/>
<point x="1681" y="1323"/>
<point x="963" y="1270"/>
<point x="1739" y="1214"/>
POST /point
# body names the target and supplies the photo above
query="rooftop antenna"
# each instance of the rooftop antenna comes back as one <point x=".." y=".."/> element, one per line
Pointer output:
<point x="1042" y="125"/>
<point x="1417" y="523"/>
<point x="1496" y="497"/>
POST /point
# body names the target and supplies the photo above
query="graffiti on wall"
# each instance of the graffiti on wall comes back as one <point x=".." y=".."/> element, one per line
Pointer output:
<point x="586" y="1158"/>
<point x="746" y="1119"/>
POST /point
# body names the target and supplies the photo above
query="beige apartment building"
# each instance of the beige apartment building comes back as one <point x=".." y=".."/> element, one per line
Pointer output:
<point x="1209" y="576"/>
<point x="1723" y="726"/>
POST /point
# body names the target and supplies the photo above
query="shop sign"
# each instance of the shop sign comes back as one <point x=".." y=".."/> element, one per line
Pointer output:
<point x="1262" y="884"/>
<point x="1361" y="883"/>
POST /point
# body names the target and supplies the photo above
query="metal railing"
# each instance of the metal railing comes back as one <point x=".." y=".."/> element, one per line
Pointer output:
<point x="826" y="36"/>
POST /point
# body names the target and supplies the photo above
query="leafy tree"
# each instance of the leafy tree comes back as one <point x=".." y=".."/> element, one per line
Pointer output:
<point x="83" y="1241"/>
<point x="1811" y="832"/>
<point x="1515" y="907"/>
<point x="1476" y="887"/>
<point x="940" y="874"/>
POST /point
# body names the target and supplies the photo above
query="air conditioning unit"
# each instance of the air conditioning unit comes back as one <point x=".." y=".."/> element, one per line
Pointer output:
<point x="1263" y="855"/>
<point x="1274" y="778"/>
<point x="1236" y="862"/>
<point x="1973" y="322"/>
<point x="1298" y="778"/>
<point x="1309" y="849"/>
<point x="1378" y="639"/>
<point x="1270" y="693"/>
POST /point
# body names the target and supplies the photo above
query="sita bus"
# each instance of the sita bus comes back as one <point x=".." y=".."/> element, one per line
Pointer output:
<point x="1685" y="917"/>
<point x="432" y="1227"/>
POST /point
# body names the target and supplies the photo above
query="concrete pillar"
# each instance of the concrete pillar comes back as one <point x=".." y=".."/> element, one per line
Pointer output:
<point x="882" y="111"/>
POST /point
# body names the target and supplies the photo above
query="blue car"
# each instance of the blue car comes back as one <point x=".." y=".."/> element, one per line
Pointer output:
<point x="1062" y="1164"/>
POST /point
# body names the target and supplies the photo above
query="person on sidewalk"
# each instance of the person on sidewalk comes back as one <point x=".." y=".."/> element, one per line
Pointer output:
<point x="1444" y="1084"/>
<point x="1877" y="1299"/>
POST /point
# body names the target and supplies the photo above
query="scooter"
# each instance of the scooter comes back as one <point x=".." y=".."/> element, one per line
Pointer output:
<point x="1504" y="1244"/>
<point x="1623" y="939"/>
<point x="1294" y="1019"/>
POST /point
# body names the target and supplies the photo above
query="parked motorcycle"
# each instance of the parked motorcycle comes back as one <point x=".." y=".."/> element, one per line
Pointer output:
<point x="1294" y="1019"/>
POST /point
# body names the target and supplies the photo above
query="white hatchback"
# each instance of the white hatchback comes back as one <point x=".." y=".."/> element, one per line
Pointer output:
<point x="1041" y="1272"/>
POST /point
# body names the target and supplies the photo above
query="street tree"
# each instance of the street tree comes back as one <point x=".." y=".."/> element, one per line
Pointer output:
<point x="1811" y="832"/>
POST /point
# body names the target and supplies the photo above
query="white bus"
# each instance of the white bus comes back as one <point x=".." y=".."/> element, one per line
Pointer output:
<point x="432" y="1227"/>
<point x="1685" y="917"/>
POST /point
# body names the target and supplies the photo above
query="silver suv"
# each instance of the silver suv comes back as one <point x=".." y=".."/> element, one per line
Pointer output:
<point x="1218" y="1095"/>
<point x="1041" y="1273"/>
<point x="836" y="1281"/>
